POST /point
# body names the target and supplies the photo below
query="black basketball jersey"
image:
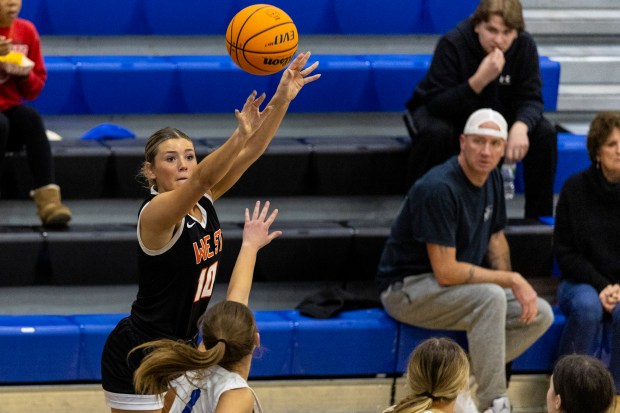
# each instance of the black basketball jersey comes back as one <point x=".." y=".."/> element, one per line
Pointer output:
<point x="175" y="283"/>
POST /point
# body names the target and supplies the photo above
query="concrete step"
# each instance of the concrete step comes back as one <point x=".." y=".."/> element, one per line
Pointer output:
<point x="569" y="4"/>
<point x="573" y="22"/>
<point x="595" y="97"/>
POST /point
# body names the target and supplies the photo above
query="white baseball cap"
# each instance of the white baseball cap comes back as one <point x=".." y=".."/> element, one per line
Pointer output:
<point x="482" y="116"/>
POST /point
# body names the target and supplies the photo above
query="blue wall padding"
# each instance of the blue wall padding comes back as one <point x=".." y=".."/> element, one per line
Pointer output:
<point x="38" y="348"/>
<point x="355" y="342"/>
<point x="214" y="84"/>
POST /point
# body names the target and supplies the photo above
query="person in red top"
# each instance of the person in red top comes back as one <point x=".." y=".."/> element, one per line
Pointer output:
<point x="21" y="125"/>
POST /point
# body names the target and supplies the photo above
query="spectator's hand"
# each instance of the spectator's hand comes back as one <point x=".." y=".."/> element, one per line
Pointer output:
<point x="527" y="297"/>
<point x="295" y="77"/>
<point x="256" y="229"/>
<point x="518" y="143"/>
<point x="5" y="45"/>
<point x="488" y="70"/>
<point x="251" y="118"/>
<point x="609" y="297"/>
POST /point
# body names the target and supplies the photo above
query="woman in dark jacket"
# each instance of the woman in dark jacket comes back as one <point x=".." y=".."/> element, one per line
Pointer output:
<point x="587" y="231"/>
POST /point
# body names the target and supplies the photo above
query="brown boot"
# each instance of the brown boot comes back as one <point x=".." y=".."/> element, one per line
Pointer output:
<point x="49" y="208"/>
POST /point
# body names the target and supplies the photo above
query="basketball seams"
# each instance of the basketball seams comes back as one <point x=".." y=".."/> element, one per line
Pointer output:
<point x="255" y="58"/>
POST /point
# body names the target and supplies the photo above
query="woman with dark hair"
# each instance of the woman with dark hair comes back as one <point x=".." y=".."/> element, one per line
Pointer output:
<point x="580" y="384"/>
<point x="587" y="227"/>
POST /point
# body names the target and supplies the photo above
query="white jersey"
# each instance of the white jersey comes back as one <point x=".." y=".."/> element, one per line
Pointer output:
<point x="197" y="394"/>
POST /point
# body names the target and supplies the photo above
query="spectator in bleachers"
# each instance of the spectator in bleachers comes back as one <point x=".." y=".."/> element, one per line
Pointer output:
<point x="437" y="372"/>
<point x="179" y="234"/>
<point x="22" y="77"/>
<point x="580" y="384"/>
<point x="446" y="263"/>
<point x="214" y="375"/>
<point x="586" y="234"/>
<point x="487" y="60"/>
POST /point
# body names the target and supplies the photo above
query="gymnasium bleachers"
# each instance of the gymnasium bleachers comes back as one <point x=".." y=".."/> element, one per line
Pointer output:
<point x="338" y="163"/>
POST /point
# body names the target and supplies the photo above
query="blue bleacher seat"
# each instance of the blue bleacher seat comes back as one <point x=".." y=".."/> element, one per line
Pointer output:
<point x="128" y="84"/>
<point x="316" y="19"/>
<point x="550" y="73"/>
<point x="93" y="330"/>
<point x="442" y="15"/>
<point x="572" y="157"/>
<point x="36" y="12"/>
<point x="214" y="84"/>
<point x="394" y="77"/>
<point x="38" y="348"/>
<point x="358" y="342"/>
<point x="275" y="355"/>
<point x="188" y="17"/>
<point x="378" y="17"/>
<point x="61" y="93"/>
<point x="345" y="86"/>
<point x="88" y="17"/>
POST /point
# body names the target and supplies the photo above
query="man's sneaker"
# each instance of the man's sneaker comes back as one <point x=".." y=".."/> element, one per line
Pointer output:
<point x="500" y="405"/>
<point x="465" y="403"/>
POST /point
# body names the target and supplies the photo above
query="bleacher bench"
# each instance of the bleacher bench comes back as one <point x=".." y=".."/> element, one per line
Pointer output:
<point x="50" y="348"/>
<point x="197" y="17"/>
<point x="117" y="85"/>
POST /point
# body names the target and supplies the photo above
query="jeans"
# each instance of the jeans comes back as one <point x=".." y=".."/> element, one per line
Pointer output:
<point x="589" y="328"/>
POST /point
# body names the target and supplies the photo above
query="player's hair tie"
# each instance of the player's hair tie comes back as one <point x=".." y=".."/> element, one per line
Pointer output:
<point x="221" y="340"/>
<point x="428" y="394"/>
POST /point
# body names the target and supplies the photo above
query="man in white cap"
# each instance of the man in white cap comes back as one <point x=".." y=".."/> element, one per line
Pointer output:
<point x="446" y="264"/>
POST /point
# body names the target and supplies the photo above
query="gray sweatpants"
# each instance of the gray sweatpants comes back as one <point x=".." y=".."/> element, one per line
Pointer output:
<point x="483" y="311"/>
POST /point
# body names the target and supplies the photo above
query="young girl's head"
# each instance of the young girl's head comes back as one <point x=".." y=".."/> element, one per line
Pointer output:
<point x="162" y="153"/>
<point x="438" y="370"/>
<point x="229" y="334"/>
<point x="580" y="383"/>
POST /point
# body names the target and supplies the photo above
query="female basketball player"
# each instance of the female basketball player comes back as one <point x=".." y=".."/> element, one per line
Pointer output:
<point x="214" y="376"/>
<point x="179" y="234"/>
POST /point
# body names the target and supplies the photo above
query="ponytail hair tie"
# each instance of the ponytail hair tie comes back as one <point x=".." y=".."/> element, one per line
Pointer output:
<point x="428" y="394"/>
<point x="221" y="340"/>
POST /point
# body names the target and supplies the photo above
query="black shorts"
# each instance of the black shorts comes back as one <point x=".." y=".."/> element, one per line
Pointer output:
<point x="117" y="365"/>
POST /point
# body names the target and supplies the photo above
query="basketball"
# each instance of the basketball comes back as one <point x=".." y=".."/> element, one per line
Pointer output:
<point x="261" y="39"/>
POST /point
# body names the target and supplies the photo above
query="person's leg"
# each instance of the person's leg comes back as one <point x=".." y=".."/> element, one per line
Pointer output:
<point x="478" y="309"/>
<point x="614" y="348"/>
<point x="435" y="140"/>
<point x="583" y="310"/>
<point x="520" y="336"/>
<point x="539" y="167"/>
<point x="27" y="128"/>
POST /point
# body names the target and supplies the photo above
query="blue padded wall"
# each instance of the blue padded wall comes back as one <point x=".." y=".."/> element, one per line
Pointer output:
<point x="38" y="348"/>
<point x="352" y="343"/>
<point x="572" y="158"/>
<point x="93" y="332"/>
<point x="214" y="84"/>
<point x="274" y="357"/>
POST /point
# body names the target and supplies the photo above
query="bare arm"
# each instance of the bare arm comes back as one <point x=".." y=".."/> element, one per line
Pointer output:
<point x="498" y="254"/>
<point x="255" y="236"/>
<point x="294" y="78"/>
<point x="160" y="218"/>
<point x="449" y="271"/>
<point x="236" y="401"/>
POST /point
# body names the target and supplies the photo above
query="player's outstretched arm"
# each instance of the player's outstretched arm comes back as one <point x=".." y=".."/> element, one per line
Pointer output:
<point x="293" y="79"/>
<point x="255" y="236"/>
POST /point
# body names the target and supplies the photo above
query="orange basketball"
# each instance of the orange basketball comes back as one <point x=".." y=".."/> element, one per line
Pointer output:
<point x="261" y="39"/>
